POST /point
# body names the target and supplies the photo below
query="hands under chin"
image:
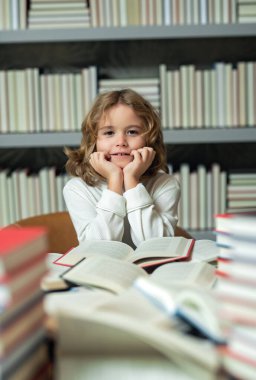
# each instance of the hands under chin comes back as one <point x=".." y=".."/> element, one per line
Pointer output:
<point x="119" y="179"/>
<point x="100" y="161"/>
<point x="143" y="158"/>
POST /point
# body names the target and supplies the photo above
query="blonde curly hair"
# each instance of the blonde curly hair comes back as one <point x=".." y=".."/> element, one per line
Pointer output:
<point x="78" y="160"/>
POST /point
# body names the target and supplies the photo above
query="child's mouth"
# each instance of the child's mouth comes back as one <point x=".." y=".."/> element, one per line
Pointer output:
<point x="120" y="154"/>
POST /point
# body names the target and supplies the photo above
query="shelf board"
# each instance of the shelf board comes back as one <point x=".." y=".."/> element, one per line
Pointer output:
<point x="184" y="136"/>
<point x="211" y="135"/>
<point x="46" y="139"/>
<point x="127" y="33"/>
<point x="199" y="235"/>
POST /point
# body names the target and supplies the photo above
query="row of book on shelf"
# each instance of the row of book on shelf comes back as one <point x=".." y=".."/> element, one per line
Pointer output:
<point x="121" y="13"/>
<point x="112" y="13"/>
<point x="24" y="350"/>
<point x="204" y="192"/>
<point x="222" y="95"/>
<point x="33" y="103"/>
<point x="23" y="195"/>
<point x="186" y="97"/>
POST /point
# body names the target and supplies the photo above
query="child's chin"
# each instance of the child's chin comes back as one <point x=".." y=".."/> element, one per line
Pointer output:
<point x="121" y="163"/>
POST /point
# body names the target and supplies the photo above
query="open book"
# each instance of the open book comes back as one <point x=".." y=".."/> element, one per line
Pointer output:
<point x="149" y="254"/>
<point x="129" y="325"/>
<point x="197" y="309"/>
<point x="117" y="275"/>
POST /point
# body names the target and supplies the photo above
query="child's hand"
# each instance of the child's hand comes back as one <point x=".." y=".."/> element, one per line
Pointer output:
<point x="143" y="158"/>
<point x="111" y="172"/>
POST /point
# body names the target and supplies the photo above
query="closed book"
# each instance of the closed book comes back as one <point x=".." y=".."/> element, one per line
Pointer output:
<point x="236" y="311"/>
<point x="14" y="361"/>
<point x="19" y="246"/>
<point x="229" y="287"/>
<point x="17" y="285"/>
<point x="237" y="366"/>
<point x="17" y="330"/>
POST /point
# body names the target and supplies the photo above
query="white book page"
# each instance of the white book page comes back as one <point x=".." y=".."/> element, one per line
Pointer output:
<point x="162" y="247"/>
<point x="131" y="303"/>
<point x="115" y="249"/>
<point x="205" y="250"/>
<point x="148" y="367"/>
<point x="119" y="333"/>
<point x="104" y="272"/>
<point x="83" y="298"/>
<point x="185" y="273"/>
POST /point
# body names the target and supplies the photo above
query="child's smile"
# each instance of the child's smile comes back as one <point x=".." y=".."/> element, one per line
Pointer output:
<point x="120" y="132"/>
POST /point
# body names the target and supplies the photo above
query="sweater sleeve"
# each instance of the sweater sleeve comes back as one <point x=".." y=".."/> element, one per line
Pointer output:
<point x="96" y="214"/>
<point x="154" y="213"/>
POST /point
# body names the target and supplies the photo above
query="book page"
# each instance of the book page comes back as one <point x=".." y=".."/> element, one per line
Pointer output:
<point x="197" y="308"/>
<point x="84" y="298"/>
<point x="201" y="306"/>
<point x="107" y="333"/>
<point x="52" y="280"/>
<point x="104" y="272"/>
<point x="115" y="249"/>
<point x="134" y="305"/>
<point x="104" y="367"/>
<point x="162" y="248"/>
<point x="185" y="273"/>
<point x="205" y="250"/>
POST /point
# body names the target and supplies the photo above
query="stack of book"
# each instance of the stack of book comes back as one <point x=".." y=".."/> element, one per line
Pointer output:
<point x="246" y="11"/>
<point x="58" y="14"/>
<point x="236" y="291"/>
<point x="241" y="192"/>
<point x="147" y="87"/>
<point x="23" y="350"/>
<point x="109" y="13"/>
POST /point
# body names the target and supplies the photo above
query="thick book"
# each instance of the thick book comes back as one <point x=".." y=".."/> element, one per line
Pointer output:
<point x="148" y="255"/>
<point x="18" y="329"/>
<point x="19" y="284"/>
<point x="20" y="246"/>
<point x="240" y="353"/>
<point x="128" y="324"/>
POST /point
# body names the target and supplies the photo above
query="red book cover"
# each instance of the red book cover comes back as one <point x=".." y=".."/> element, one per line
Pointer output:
<point x="19" y="246"/>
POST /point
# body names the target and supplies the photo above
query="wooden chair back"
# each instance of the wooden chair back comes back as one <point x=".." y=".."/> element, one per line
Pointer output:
<point x="179" y="231"/>
<point x="61" y="232"/>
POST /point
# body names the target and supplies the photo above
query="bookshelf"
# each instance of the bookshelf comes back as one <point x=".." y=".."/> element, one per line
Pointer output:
<point x="133" y="51"/>
<point x="127" y="33"/>
<point x="189" y="136"/>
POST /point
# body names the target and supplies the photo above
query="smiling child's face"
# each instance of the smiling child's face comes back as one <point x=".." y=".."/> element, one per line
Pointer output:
<point x="120" y="131"/>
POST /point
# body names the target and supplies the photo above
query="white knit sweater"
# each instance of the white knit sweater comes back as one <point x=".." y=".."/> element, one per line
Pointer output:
<point x="146" y="211"/>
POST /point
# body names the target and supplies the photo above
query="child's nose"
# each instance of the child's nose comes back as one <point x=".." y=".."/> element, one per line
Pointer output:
<point x="121" y="140"/>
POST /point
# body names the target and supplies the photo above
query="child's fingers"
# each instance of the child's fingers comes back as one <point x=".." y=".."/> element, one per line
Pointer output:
<point x="147" y="153"/>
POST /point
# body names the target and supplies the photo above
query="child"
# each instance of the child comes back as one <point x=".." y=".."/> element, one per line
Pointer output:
<point x="121" y="189"/>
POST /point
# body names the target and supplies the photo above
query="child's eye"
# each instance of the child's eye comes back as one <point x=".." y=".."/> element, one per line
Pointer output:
<point x="132" y="132"/>
<point x="108" y="133"/>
